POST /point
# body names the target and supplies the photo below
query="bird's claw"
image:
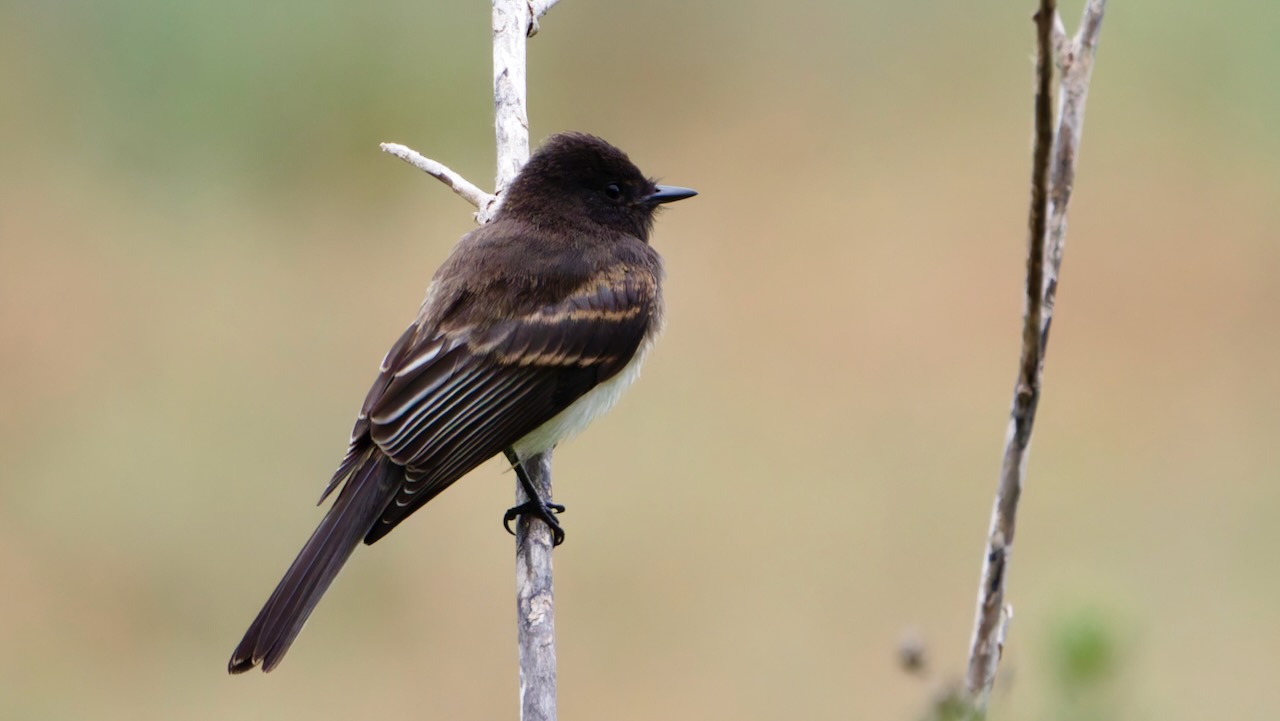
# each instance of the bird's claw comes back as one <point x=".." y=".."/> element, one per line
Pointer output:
<point x="546" y="512"/>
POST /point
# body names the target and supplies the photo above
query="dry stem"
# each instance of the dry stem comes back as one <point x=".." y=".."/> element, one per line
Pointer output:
<point x="1053" y="173"/>
<point x="514" y="21"/>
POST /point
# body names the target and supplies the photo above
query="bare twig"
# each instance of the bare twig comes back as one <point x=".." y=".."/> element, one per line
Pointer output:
<point x="442" y="172"/>
<point x="535" y="602"/>
<point x="514" y="21"/>
<point x="1053" y="172"/>
<point x="537" y="9"/>
<point x="1077" y="70"/>
<point x="991" y="622"/>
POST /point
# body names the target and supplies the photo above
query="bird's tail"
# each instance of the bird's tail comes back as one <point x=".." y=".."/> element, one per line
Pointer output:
<point x="370" y="487"/>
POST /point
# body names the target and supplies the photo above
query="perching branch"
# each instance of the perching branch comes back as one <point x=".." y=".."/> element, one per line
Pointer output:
<point x="1053" y="173"/>
<point x="514" y="22"/>
<point x="535" y="602"/>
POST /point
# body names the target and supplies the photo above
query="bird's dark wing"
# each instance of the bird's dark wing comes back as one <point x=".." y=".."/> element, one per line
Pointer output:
<point x="449" y="400"/>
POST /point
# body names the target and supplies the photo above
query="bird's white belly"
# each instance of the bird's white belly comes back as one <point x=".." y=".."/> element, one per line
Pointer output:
<point x="593" y="404"/>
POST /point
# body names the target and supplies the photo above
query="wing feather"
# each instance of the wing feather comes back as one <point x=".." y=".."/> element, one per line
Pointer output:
<point x="448" y="400"/>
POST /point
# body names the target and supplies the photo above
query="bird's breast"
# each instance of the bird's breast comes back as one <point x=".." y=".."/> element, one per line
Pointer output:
<point x="593" y="404"/>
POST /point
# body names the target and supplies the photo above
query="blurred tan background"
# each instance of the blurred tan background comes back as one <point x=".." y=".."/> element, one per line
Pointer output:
<point x="204" y="256"/>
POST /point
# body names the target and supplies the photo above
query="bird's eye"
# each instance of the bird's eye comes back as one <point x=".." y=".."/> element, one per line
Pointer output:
<point x="613" y="190"/>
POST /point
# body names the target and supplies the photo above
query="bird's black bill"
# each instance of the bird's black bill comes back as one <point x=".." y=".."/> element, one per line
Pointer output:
<point x="670" y="194"/>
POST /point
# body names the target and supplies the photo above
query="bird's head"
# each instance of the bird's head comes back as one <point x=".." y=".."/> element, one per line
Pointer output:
<point x="578" y="176"/>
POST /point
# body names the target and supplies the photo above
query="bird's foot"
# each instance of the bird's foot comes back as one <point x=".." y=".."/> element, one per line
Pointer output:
<point x="546" y="512"/>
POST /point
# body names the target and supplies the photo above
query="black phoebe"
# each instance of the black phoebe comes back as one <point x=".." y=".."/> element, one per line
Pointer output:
<point x="534" y="325"/>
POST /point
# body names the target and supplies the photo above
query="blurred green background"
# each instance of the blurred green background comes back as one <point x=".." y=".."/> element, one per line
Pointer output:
<point x="203" y="256"/>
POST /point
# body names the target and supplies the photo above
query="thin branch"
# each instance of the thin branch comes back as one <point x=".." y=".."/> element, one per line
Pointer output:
<point x="514" y="22"/>
<point x="460" y="185"/>
<point x="1053" y="173"/>
<point x="535" y="602"/>
<point x="990" y="623"/>
<point x="1077" y="70"/>
<point x="538" y="8"/>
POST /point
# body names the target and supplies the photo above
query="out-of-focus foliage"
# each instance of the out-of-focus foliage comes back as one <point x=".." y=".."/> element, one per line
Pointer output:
<point x="1086" y="662"/>
<point x="203" y="256"/>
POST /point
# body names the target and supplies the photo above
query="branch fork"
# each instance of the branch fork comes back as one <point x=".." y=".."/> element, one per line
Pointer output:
<point x="465" y="189"/>
<point x="1053" y="174"/>
<point x="514" y="22"/>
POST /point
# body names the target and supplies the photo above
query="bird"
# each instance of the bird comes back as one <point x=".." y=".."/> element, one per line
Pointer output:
<point x="532" y="327"/>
